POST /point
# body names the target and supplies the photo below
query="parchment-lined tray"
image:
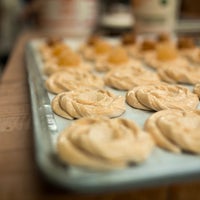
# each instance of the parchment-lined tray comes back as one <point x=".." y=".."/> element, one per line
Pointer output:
<point x="161" y="167"/>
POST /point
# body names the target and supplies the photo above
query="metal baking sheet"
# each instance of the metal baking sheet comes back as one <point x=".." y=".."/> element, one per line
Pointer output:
<point x="161" y="167"/>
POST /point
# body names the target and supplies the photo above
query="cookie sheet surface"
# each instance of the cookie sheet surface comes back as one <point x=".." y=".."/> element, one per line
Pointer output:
<point x="162" y="166"/>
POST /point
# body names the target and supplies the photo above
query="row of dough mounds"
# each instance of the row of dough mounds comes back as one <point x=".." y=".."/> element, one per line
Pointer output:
<point x="169" y="62"/>
<point x="146" y="72"/>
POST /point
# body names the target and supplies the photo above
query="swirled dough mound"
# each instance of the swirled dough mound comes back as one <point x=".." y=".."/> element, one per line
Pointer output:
<point x="129" y="41"/>
<point x="128" y="77"/>
<point x="194" y="55"/>
<point x="162" y="96"/>
<point x="65" y="61"/>
<point x="165" y="55"/>
<point x="175" y="130"/>
<point x="104" y="144"/>
<point x="117" y="58"/>
<point x="87" y="102"/>
<point x="72" y="79"/>
<point x="196" y="89"/>
<point x="187" y="48"/>
<point x="185" y="74"/>
<point x="143" y="48"/>
<point x="58" y="56"/>
<point x="50" y="49"/>
<point x="95" y="48"/>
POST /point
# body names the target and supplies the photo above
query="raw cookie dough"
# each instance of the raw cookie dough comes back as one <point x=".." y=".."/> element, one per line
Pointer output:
<point x="88" y="102"/>
<point x="196" y="89"/>
<point x="71" y="79"/>
<point x="162" y="96"/>
<point x="103" y="143"/>
<point x="187" y="47"/>
<point x="165" y="55"/>
<point x="186" y="74"/>
<point x="128" y="77"/>
<point x="175" y="130"/>
<point x="95" y="48"/>
<point x="117" y="58"/>
<point x="60" y="56"/>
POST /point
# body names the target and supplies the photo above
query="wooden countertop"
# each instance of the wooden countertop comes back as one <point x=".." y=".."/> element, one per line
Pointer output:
<point x="19" y="175"/>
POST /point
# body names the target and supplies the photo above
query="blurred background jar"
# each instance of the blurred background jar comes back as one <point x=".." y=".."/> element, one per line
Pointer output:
<point x="116" y="17"/>
<point x="73" y="18"/>
<point x="154" y="16"/>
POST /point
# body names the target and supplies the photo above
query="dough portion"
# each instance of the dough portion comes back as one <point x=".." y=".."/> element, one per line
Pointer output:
<point x="185" y="74"/>
<point x="117" y="58"/>
<point x="142" y="48"/>
<point x="166" y="54"/>
<point x="104" y="144"/>
<point x="152" y="61"/>
<point x="128" y="77"/>
<point x="58" y="56"/>
<point x="187" y="48"/>
<point x="162" y="96"/>
<point x="175" y="130"/>
<point x="88" y="102"/>
<point x="52" y="67"/>
<point x="194" y="55"/>
<point x="105" y="66"/>
<point x="99" y="48"/>
<point x="196" y="89"/>
<point x="72" y="79"/>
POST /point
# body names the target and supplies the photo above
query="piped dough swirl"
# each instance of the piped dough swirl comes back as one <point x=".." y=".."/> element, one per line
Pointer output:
<point x="175" y="130"/>
<point x="185" y="74"/>
<point x="103" y="143"/>
<point x="162" y="96"/>
<point x="128" y="77"/>
<point x="87" y="102"/>
<point x="196" y="89"/>
<point x="152" y="61"/>
<point x="72" y="79"/>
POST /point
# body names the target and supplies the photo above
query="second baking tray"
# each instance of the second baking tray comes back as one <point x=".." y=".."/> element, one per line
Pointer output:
<point x="161" y="167"/>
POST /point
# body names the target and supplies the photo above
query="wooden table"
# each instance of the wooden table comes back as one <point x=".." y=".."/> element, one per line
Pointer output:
<point x="19" y="175"/>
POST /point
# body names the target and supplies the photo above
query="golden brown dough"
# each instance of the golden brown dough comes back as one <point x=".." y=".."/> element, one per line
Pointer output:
<point x="175" y="130"/>
<point x="117" y="58"/>
<point x="128" y="77"/>
<point x="196" y="89"/>
<point x="56" y="56"/>
<point x="128" y="39"/>
<point x="186" y="74"/>
<point x="188" y="49"/>
<point x="142" y="49"/>
<point x="104" y="144"/>
<point x="148" y="45"/>
<point x="193" y="55"/>
<point x="87" y="102"/>
<point x="162" y="96"/>
<point x="94" y="49"/>
<point x="163" y="37"/>
<point x="165" y="55"/>
<point x="185" y="43"/>
<point x="71" y="79"/>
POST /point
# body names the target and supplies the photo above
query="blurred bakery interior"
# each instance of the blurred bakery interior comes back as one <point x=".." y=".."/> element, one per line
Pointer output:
<point x="106" y="17"/>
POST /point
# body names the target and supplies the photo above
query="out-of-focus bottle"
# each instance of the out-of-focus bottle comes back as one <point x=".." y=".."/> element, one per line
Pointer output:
<point x="74" y="18"/>
<point x="154" y="16"/>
